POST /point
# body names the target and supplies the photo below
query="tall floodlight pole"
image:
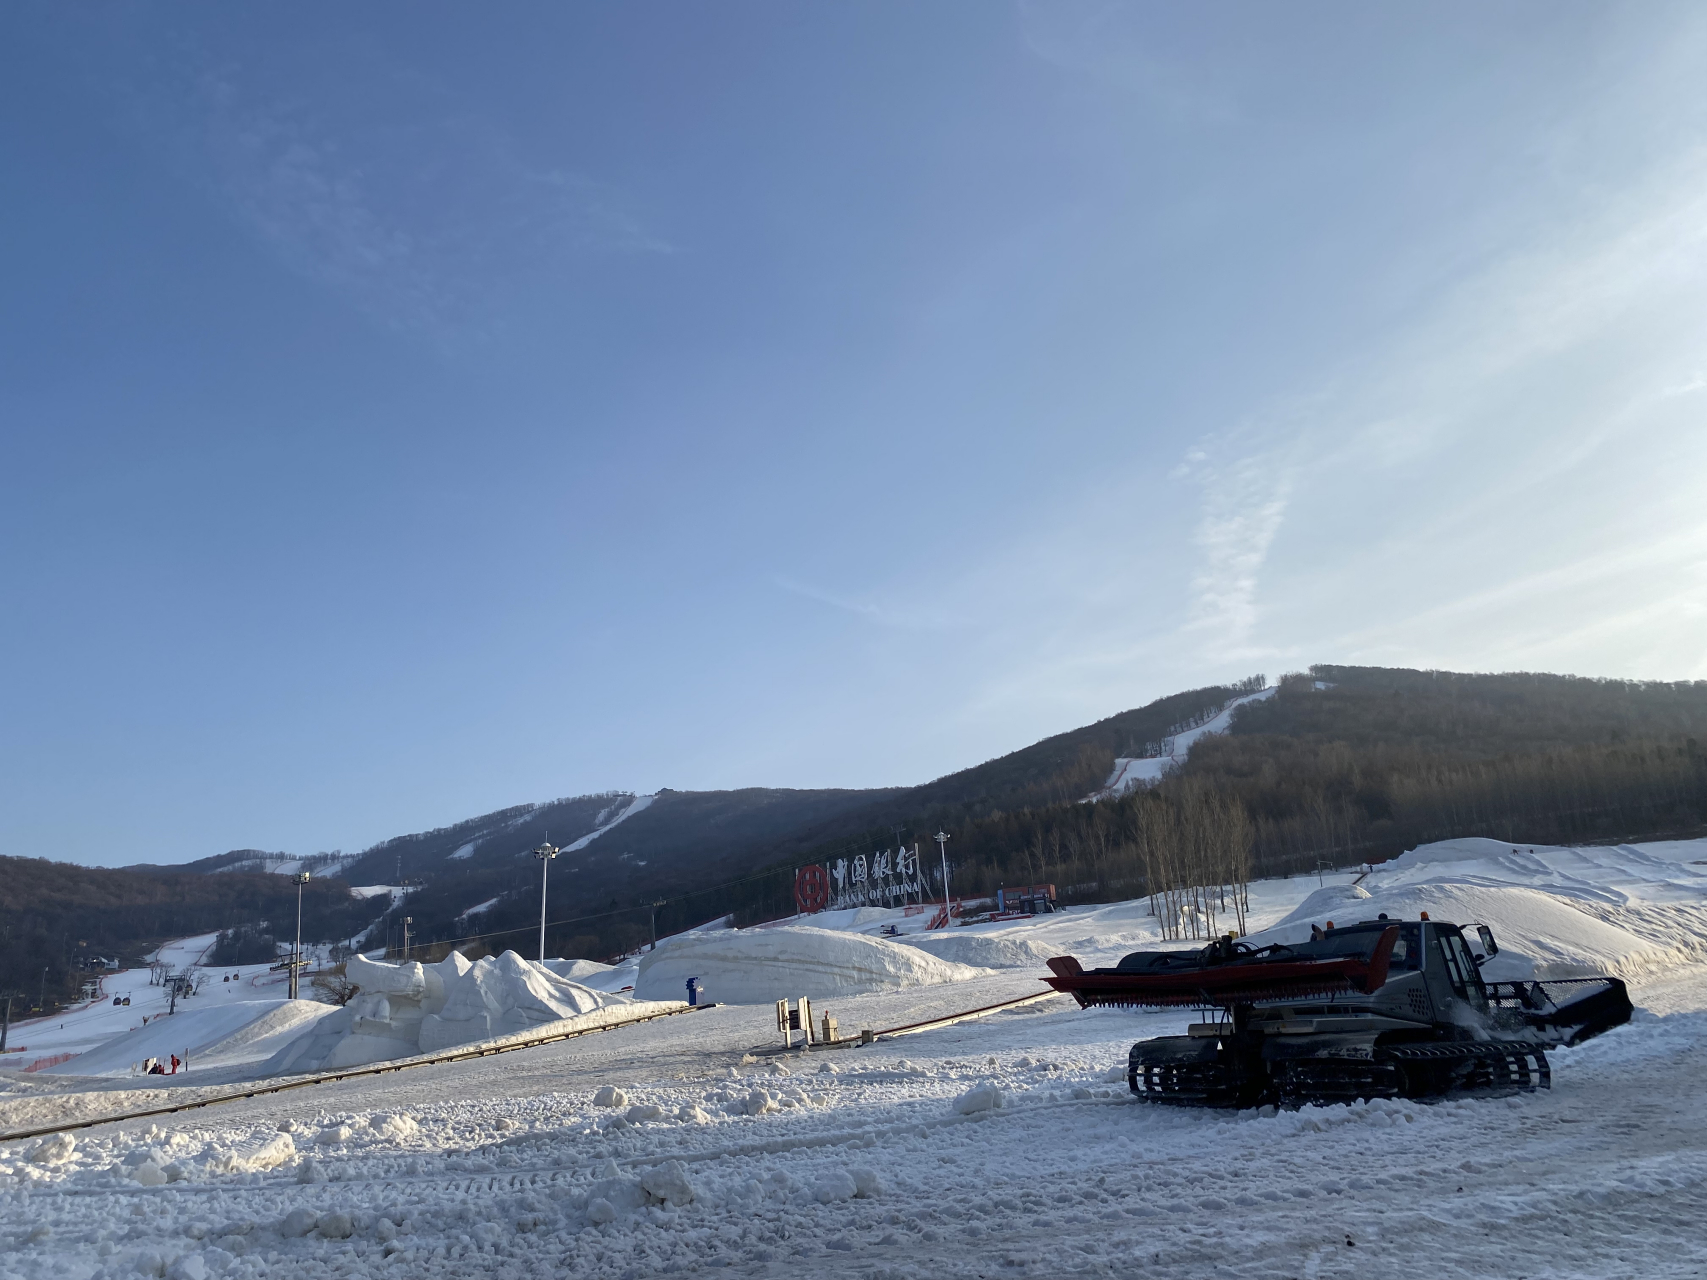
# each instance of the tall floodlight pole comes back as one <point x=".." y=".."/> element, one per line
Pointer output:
<point x="942" y="848"/>
<point x="545" y="853"/>
<point x="301" y="878"/>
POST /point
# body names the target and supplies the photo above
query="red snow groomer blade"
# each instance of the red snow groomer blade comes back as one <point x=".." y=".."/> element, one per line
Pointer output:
<point x="1208" y="980"/>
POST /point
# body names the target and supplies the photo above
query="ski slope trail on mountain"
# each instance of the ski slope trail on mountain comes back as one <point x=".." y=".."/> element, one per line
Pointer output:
<point x="1131" y="772"/>
<point x="222" y="1035"/>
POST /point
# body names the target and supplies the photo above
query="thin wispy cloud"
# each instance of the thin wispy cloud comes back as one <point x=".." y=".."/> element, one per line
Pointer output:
<point x="1444" y="476"/>
<point x="1244" y="501"/>
<point x="427" y="225"/>
<point x="1113" y="46"/>
<point x="1494" y="480"/>
<point x="899" y="619"/>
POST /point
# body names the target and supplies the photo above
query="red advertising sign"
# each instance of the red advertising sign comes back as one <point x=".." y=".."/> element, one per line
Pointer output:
<point x="811" y="889"/>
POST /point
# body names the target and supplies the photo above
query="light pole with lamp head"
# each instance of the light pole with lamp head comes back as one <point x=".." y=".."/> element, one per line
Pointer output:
<point x="942" y="839"/>
<point x="300" y="879"/>
<point x="545" y="853"/>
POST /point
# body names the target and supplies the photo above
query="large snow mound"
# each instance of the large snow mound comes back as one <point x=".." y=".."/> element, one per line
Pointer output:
<point x="1539" y="936"/>
<point x="1617" y="875"/>
<point x="578" y="970"/>
<point x="409" y="1008"/>
<point x="985" y="950"/>
<point x="224" y="1034"/>
<point x="759" y="966"/>
<point x="610" y="978"/>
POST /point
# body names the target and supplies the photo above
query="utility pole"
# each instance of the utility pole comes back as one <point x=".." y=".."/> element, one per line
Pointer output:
<point x="942" y="839"/>
<point x="41" y="999"/>
<point x="545" y="853"/>
<point x="407" y="921"/>
<point x="301" y="878"/>
<point x="6" y="1023"/>
<point x="655" y="906"/>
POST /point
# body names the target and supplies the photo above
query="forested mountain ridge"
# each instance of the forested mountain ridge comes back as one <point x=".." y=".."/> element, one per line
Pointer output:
<point x="1354" y="764"/>
<point x="677" y="846"/>
<point x="1343" y="764"/>
<point x="685" y="848"/>
<point x="1340" y="765"/>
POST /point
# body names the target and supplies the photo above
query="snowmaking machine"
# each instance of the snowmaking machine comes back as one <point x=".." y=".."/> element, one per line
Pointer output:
<point x="1378" y="1009"/>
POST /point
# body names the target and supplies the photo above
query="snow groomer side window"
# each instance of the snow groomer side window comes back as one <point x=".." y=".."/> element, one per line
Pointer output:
<point x="1460" y="952"/>
<point x="1407" y="951"/>
<point x="1454" y="971"/>
<point x="1460" y="971"/>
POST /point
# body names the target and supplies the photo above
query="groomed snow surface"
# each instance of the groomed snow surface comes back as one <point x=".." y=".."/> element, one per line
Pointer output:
<point x="1002" y="1146"/>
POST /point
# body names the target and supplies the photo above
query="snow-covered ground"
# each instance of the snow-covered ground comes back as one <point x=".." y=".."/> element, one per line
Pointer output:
<point x="762" y="966"/>
<point x="76" y="1031"/>
<point x="1003" y="1146"/>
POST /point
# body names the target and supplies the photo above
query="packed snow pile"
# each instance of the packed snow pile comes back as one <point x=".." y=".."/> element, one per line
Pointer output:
<point x="1539" y="936"/>
<point x="223" y="1035"/>
<point x="409" y="1008"/>
<point x="1615" y="875"/>
<point x="1556" y="912"/>
<point x="759" y="966"/>
<point x="1007" y="950"/>
<point x="611" y="978"/>
<point x="578" y="970"/>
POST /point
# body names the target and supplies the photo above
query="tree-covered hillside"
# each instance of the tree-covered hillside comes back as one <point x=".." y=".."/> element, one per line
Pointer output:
<point x="56" y="918"/>
<point x="1349" y="765"/>
<point x="705" y="854"/>
<point x="1342" y="765"/>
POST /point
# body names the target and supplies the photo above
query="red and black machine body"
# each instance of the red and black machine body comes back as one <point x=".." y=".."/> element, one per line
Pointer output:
<point x="1379" y="1009"/>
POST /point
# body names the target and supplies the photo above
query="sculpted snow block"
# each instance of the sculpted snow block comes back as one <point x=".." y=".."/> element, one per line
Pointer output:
<point x="409" y="1008"/>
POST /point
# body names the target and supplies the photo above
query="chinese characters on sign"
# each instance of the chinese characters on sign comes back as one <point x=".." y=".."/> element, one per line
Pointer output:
<point x="889" y="878"/>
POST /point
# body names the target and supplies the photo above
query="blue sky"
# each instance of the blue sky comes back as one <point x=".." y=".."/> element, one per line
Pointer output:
<point x="411" y="410"/>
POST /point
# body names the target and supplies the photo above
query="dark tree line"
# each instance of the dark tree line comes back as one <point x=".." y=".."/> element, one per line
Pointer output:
<point x="56" y="919"/>
<point x="1373" y="762"/>
<point x="706" y="855"/>
<point x="244" y="944"/>
<point x="1377" y="762"/>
